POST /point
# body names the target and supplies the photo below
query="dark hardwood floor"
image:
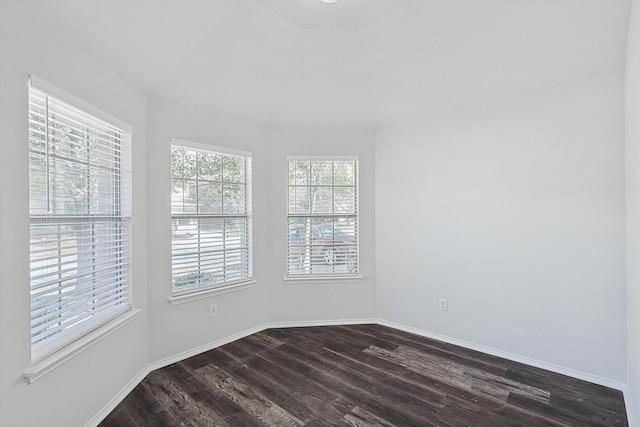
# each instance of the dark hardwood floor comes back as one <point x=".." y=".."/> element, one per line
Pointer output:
<point x="365" y="375"/>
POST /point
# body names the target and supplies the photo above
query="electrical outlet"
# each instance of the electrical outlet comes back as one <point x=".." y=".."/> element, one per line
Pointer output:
<point x="213" y="310"/>
<point x="442" y="304"/>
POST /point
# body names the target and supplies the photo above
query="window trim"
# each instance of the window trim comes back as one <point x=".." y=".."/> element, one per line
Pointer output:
<point x="323" y="279"/>
<point x="47" y="356"/>
<point x="354" y="277"/>
<point x="208" y="293"/>
<point x="52" y="361"/>
<point x="195" y="293"/>
<point x="78" y="103"/>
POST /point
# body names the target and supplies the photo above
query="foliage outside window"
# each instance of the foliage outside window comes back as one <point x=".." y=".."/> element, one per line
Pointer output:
<point x="210" y="218"/>
<point x="80" y="214"/>
<point x="322" y="220"/>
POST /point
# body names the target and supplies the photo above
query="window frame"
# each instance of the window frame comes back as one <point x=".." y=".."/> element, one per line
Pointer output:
<point x="342" y="276"/>
<point x="190" y="293"/>
<point x="108" y="293"/>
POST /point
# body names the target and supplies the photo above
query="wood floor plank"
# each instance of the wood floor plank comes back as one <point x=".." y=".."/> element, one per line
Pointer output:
<point x="267" y="412"/>
<point x="563" y="414"/>
<point x="177" y="401"/>
<point x="121" y="416"/>
<point x="372" y="393"/>
<point x="360" y="375"/>
<point x="358" y="417"/>
<point x="466" y="404"/>
<point x="293" y="390"/>
<point x="497" y="415"/>
<point x="605" y="412"/>
<point x="462" y="403"/>
<point x="451" y="352"/>
<point x="462" y="376"/>
<point x="264" y="340"/>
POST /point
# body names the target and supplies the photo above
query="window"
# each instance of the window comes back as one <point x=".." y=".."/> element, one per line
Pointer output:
<point x="322" y="220"/>
<point x="210" y="218"/>
<point x="80" y="214"/>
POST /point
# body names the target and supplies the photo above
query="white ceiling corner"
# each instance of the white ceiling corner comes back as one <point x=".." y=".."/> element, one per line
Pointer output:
<point x="138" y="39"/>
<point x="357" y="64"/>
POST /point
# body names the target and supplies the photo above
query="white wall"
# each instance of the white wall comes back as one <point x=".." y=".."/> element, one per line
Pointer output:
<point x="633" y="207"/>
<point x="514" y="212"/>
<point x="74" y="392"/>
<point x="174" y="329"/>
<point x="519" y="205"/>
<point x="311" y="300"/>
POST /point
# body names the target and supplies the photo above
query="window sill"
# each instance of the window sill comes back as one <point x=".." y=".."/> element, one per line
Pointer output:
<point x="197" y="295"/>
<point x="324" y="279"/>
<point x="51" y="362"/>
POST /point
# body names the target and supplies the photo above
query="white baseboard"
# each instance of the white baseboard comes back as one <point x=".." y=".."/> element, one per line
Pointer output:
<point x="310" y="323"/>
<point x="510" y="356"/>
<point x="106" y="410"/>
<point x="595" y="379"/>
<point x="206" y="347"/>
<point x="119" y="397"/>
<point x="631" y="413"/>
<point x="272" y="325"/>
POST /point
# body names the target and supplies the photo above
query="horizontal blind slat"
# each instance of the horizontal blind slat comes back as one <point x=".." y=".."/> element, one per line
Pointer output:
<point x="80" y="226"/>
<point x="211" y="218"/>
<point x="44" y="317"/>
<point x="56" y="298"/>
<point x="322" y="217"/>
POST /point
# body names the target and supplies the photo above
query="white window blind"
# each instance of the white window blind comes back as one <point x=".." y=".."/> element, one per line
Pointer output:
<point x="322" y="220"/>
<point x="210" y="218"/>
<point x="80" y="213"/>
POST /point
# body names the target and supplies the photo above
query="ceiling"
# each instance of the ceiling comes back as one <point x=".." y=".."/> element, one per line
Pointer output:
<point x="356" y="64"/>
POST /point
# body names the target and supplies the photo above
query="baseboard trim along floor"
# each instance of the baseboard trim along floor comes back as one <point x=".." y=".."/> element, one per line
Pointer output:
<point x="119" y="397"/>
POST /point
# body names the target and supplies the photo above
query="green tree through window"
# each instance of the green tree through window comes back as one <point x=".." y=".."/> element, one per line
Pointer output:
<point x="211" y="218"/>
<point x="322" y="217"/>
